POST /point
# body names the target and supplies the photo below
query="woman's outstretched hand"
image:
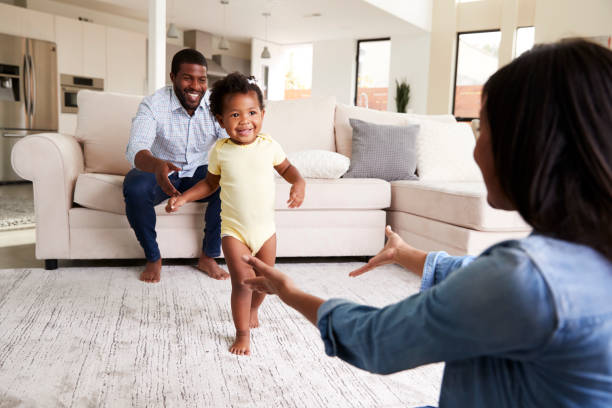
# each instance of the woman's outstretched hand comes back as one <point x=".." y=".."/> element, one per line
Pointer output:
<point x="268" y="279"/>
<point x="386" y="255"/>
<point x="274" y="282"/>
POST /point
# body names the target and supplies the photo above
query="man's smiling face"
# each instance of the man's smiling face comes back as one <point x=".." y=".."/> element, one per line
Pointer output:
<point x="190" y="84"/>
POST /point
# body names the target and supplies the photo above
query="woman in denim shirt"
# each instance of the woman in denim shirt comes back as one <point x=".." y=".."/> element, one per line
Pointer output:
<point x="528" y="323"/>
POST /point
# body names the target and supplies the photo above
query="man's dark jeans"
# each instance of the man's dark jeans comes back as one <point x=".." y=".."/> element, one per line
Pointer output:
<point x="142" y="194"/>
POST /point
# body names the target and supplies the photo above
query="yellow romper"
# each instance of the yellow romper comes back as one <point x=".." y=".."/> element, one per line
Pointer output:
<point x="247" y="188"/>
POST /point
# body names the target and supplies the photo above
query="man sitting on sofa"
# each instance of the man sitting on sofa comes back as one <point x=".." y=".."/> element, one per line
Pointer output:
<point x="168" y="149"/>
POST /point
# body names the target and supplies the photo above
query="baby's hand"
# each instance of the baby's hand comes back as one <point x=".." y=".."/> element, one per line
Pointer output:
<point x="174" y="203"/>
<point x="296" y="195"/>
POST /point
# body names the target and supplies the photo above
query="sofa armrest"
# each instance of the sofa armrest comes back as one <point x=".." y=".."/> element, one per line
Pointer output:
<point x="52" y="161"/>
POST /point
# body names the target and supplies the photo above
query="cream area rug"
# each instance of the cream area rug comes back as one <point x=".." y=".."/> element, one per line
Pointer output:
<point x="16" y="213"/>
<point x="98" y="337"/>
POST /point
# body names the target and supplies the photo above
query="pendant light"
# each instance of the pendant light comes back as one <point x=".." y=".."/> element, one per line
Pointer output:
<point x="224" y="44"/>
<point x="266" y="52"/>
<point x="172" y="31"/>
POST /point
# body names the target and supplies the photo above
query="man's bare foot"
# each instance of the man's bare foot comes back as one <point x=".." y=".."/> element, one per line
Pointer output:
<point x="152" y="272"/>
<point x="254" y="320"/>
<point x="209" y="266"/>
<point x="242" y="344"/>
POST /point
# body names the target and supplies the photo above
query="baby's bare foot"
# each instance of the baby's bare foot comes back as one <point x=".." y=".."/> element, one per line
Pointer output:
<point x="242" y="344"/>
<point x="152" y="272"/>
<point x="254" y="320"/>
<point x="209" y="266"/>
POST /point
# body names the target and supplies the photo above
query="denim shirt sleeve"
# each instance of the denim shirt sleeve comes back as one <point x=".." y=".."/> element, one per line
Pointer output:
<point x="498" y="303"/>
<point x="438" y="265"/>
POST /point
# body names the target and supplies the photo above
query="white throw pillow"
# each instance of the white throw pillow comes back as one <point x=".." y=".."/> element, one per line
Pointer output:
<point x="321" y="164"/>
<point x="445" y="152"/>
<point x="301" y="124"/>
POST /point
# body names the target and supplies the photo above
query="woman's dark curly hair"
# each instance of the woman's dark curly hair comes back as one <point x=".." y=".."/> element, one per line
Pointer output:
<point x="231" y="84"/>
<point x="550" y="116"/>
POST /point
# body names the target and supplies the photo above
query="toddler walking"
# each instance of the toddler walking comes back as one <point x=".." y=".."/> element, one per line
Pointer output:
<point x="242" y="165"/>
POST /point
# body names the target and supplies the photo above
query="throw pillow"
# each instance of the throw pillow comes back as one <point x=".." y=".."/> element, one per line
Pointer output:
<point x="103" y="127"/>
<point x="383" y="151"/>
<point x="321" y="164"/>
<point x="284" y="122"/>
<point x="445" y="152"/>
<point x="344" y="131"/>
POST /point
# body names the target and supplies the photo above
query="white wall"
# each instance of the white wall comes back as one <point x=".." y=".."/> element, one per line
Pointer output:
<point x="442" y="56"/>
<point x="556" y="19"/>
<point x="333" y="69"/>
<point x="417" y="12"/>
<point x="449" y="17"/>
<point x="276" y="80"/>
<point x="410" y="61"/>
<point x="98" y="17"/>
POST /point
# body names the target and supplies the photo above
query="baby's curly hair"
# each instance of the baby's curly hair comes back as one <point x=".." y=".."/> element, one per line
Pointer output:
<point x="232" y="83"/>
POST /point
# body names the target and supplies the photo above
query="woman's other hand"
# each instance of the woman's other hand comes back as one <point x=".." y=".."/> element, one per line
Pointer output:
<point x="386" y="256"/>
<point x="269" y="280"/>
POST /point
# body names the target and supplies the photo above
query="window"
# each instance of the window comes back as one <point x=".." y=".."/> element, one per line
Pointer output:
<point x="298" y="71"/>
<point x="477" y="59"/>
<point x="524" y="40"/>
<point x="372" y="84"/>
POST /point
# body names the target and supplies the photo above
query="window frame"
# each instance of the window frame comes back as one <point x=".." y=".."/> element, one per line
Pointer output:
<point x="461" y="118"/>
<point x="514" y="56"/>
<point x="357" y="64"/>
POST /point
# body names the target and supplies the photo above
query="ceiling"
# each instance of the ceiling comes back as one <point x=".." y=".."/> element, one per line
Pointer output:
<point x="291" y="21"/>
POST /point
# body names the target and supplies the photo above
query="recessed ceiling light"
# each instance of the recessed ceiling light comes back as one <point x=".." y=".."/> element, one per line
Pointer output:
<point x="312" y="15"/>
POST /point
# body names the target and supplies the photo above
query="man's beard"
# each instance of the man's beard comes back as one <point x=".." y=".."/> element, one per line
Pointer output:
<point x="180" y="94"/>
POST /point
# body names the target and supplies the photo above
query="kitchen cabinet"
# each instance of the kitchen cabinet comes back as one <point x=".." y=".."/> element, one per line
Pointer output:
<point x="94" y="50"/>
<point x="126" y="61"/>
<point x="81" y="47"/>
<point x="69" y="40"/>
<point x="26" y="23"/>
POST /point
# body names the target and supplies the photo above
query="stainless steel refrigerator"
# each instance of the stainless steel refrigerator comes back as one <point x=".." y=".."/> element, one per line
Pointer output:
<point x="28" y="94"/>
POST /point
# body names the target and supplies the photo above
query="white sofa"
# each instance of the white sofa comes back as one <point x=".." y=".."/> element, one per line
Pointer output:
<point x="80" y="210"/>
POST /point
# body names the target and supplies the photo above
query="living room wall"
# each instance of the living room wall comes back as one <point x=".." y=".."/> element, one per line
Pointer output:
<point x="333" y="69"/>
<point x="552" y="19"/>
<point x="448" y="18"/>
<point x="556" y="19"/>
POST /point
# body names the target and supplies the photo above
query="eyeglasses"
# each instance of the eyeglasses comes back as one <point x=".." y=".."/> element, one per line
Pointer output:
<point x="476" y="127"/>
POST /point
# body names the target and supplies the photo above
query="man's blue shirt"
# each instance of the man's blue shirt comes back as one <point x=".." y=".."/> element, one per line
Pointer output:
<point x="163" y="126"/>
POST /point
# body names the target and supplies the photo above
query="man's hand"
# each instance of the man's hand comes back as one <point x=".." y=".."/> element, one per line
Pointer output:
<point x="385" y="256"/>
<point x="174" y="203"/>
<point x="162" y="169"/>
<point x="268" y="280"/>
<point x="296" y="194"/>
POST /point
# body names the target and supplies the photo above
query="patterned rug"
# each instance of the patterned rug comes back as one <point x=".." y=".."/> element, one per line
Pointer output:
<point x="16" y="213"/>
<point x="98" y="337"/>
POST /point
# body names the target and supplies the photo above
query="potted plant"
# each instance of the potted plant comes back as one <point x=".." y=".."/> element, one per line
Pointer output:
<point x="402" y="95"/>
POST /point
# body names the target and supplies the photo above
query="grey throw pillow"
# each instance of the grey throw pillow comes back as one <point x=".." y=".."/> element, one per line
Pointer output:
<point x="383" y="151"/>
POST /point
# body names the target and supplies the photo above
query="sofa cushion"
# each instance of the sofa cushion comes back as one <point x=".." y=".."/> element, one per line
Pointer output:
<point x="104" y="192"/>
<point x="301" y="124"/>
<point x="430" y="235"/>
<point x="344" y="132"/>
<point x="103" y="127"/>
<point x="383" y="151"/>
<point x="459" y="203"/>
<point x="321" y="164"/>
<point x="445" y="152"/>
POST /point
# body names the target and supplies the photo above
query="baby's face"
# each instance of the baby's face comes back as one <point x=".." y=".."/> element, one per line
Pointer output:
<point x="242" y="117"/>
